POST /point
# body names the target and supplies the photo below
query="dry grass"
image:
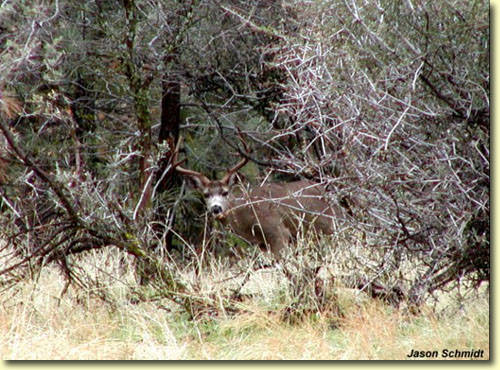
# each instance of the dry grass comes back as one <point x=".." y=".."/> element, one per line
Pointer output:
<point x="36" y="323"/>
<point x="84" y="332"/>
<point x="376" y="332"/>
<point x="370" y="331"/>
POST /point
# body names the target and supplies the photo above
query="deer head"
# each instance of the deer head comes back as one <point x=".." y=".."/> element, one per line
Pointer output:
<point x="215" y="192"/>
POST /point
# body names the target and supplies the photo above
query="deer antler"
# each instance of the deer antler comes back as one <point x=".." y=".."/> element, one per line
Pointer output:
<point x="184" y="171"/>
<point x="241" y="163"/>
<point x="202" y="179"/>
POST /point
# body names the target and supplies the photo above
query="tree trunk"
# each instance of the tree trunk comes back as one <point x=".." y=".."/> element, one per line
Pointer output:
<point x="169" y="132"/>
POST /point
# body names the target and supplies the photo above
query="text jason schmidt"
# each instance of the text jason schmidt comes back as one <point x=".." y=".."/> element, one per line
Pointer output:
<point x="447" y="353"/>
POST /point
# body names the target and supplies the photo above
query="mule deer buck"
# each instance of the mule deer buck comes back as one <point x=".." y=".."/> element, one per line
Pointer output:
<point x="269" y="215"/>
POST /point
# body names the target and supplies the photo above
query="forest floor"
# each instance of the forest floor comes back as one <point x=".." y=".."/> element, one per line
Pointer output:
<point x="37" y="323"/>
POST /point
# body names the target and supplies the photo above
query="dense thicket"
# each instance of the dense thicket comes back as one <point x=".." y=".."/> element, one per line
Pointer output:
<point x="386" y="102"/>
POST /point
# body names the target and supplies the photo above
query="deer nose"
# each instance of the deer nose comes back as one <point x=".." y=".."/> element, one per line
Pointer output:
<point x="216" y="210"/>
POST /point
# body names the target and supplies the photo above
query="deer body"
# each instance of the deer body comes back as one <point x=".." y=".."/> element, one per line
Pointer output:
<point x="271" y="215"/>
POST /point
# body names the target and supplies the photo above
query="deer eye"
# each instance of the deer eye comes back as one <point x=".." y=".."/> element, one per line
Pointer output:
<point x="225" y="193"/>
<point x="206" y="193"/>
